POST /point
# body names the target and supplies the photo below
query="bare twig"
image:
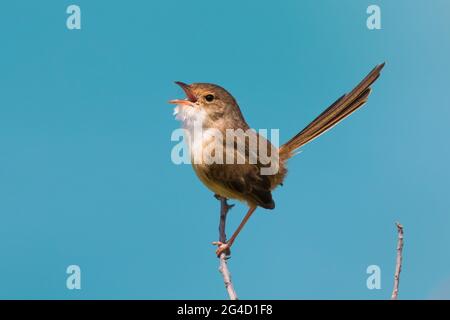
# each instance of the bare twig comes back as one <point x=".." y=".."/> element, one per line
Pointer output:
<point x="223" y="268"/>
<point x="398" y="267"/>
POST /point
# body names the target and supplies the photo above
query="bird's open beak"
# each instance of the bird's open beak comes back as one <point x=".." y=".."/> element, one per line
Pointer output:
<point x="190" y="97"/>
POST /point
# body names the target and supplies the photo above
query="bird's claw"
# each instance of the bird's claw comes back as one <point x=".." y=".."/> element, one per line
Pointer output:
<point x="222" y="248"/>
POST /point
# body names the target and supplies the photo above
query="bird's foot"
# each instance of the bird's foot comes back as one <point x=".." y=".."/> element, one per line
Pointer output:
<point x="222" y="248"/>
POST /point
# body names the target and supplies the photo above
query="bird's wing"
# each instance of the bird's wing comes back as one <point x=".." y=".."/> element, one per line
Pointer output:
<point x="243" y="175"/>
<point x="244" y="180"/>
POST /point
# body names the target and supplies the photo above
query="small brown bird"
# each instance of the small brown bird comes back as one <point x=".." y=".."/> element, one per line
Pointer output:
<point x="213" y="110"/>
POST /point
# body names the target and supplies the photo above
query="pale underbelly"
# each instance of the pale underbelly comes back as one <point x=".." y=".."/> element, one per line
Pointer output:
<point x="215" y="186"/>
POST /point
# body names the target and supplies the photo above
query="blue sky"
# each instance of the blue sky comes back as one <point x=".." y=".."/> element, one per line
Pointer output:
<point x="86" y="176"/>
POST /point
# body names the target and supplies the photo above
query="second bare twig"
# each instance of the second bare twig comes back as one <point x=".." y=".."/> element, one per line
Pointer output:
<point x="398" y="266"/>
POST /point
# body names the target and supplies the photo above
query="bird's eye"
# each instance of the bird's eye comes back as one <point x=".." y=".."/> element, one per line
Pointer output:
<point x="209" y="97"/>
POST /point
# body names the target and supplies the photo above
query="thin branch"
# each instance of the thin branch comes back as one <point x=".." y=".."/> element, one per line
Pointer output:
<point x="224" y="256"/>
<point x="398" y="267"/>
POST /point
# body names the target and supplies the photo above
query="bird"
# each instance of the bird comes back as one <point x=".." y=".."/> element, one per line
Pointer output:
<point x="213" y="110"/>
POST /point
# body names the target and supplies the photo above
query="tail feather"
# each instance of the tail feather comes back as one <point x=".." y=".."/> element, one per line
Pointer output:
<point x="343" y="107"/>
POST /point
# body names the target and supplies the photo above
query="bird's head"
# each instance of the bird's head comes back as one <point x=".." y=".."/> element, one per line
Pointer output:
<point x="209" y="100"/>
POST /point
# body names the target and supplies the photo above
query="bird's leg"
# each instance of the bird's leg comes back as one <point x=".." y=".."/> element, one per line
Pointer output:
<point x="227" y="245"/>
<point x="224" y="208"/>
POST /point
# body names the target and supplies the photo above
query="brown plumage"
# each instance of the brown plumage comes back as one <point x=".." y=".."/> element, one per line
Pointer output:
<point x="218" y="111"/>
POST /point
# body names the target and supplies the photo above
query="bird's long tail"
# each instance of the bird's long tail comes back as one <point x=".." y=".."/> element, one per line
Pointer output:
<point x="339" y="110"/>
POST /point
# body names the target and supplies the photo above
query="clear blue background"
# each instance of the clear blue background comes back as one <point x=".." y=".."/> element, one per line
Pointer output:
<point x="86" y="176"/>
